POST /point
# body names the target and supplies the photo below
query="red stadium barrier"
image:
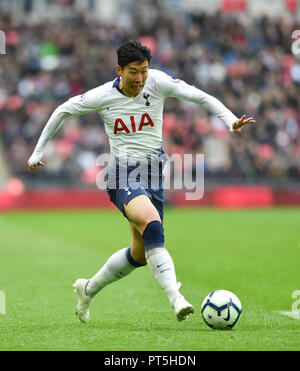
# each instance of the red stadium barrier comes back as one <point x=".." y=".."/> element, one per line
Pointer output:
<point x="243" y="196"/>
<point x="286" y="197"/>
<point x="56" y="199"/>
<point x="64" y="199"/>
<point x="177" y="198"/>
<point x="7" y="201"/>
<point x="223" y="197"/>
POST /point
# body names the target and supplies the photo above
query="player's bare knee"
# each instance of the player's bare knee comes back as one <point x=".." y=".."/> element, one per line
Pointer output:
<point x="140" y="211"/>
<point x="148" y="220"/>
<point x="141" y="223"/>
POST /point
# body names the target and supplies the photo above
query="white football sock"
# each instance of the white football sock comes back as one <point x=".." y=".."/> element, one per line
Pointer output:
<point x="161" y="265"/>
<point x="116" y="267"/>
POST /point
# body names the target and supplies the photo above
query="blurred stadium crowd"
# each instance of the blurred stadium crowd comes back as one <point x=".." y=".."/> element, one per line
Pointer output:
<point x="245" y="63"/>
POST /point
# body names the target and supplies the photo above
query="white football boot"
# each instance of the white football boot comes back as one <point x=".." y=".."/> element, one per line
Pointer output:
<point x="182" y="308"/>
<point x="84" y="300"/>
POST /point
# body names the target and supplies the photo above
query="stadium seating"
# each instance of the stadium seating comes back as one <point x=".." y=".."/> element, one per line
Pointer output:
<point x="247" y="64"/>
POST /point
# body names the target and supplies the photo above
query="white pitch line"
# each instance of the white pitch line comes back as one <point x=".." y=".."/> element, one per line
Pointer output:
<point x="294" y="315"/>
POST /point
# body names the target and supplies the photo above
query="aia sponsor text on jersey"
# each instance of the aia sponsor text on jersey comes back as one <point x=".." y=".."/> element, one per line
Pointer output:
<point x="133" y="126"/>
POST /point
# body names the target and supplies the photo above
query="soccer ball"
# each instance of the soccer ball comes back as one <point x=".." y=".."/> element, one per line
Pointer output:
<point x="221" y="309"/>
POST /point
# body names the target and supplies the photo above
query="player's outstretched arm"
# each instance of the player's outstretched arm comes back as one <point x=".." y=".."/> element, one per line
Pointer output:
<point x="180" y="89"/>
<point x="81" y="104"/>
<point x="237" y="125"/>
<point x="53" y="124"/>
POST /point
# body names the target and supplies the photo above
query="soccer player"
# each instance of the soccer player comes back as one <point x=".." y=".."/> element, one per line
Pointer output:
<point x="131" y="107"/>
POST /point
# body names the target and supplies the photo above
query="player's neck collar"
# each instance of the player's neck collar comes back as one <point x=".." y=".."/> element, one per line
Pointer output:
<point x="116" y="85"/>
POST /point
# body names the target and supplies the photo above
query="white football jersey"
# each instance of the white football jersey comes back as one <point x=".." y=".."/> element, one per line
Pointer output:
<point x="133" y="125"/>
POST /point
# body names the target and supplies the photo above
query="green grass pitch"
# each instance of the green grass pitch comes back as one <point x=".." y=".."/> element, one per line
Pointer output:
<point x="253" y="253"/>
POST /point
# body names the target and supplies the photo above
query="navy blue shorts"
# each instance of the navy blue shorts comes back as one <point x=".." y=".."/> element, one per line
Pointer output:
<point x="142" y="184"/>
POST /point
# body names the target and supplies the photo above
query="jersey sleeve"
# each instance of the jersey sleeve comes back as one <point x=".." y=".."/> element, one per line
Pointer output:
<point x="85" y="103"/>
<point x="177" y="88"/>
<point x="75" y="106"/>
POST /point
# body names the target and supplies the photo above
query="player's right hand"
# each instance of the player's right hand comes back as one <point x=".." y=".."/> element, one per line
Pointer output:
<point x="35" y="166"/>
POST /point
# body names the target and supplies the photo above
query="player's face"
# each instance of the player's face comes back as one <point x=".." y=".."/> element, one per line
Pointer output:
<point x="133" y="77"/>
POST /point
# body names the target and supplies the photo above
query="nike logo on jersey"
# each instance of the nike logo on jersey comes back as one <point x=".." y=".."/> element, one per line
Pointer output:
<point x="120" y="125"/>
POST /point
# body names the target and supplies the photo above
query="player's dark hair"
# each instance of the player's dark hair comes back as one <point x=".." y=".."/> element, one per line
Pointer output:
<point x="133" y="51"/>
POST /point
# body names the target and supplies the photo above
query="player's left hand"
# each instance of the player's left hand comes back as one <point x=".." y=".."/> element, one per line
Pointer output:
<point x="241" y="122"/>
<point x="34" y="166"/>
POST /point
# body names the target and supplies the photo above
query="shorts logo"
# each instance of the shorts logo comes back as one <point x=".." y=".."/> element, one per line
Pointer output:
<point x="127" y="190"/>
<point x="120" y="125"/>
